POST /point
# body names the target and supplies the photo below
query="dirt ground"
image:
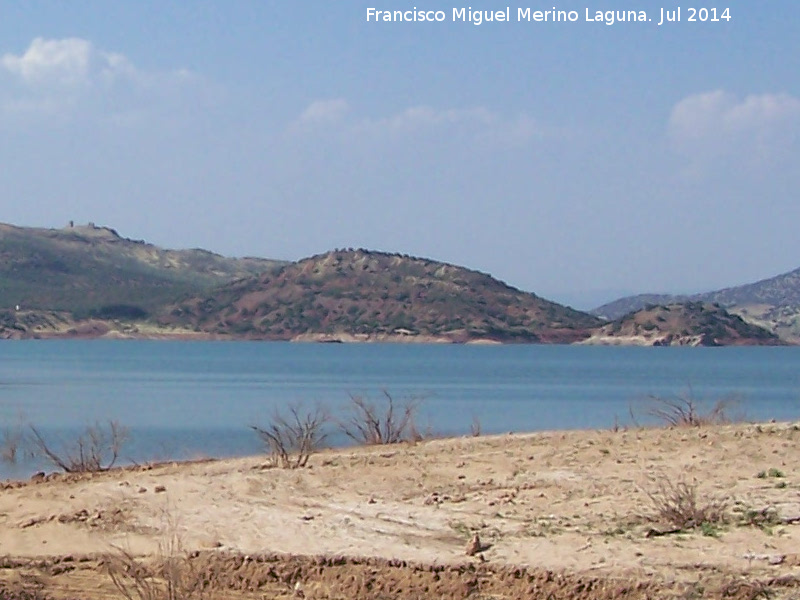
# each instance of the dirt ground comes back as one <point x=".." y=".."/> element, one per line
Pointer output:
<point x="558" y="515"/>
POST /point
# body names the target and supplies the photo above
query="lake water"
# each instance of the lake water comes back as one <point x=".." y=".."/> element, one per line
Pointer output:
<point x="191" y="399"/>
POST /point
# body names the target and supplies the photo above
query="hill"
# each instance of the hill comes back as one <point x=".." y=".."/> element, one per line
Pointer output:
<point x="683" y="324"/>
<point x="93" y="271"/>
<point x="612" y="311"/>
<point x="16" y="325"/>
<point x="88" y="281"/>
<point x="358" y="294"/>
<point x="772" y="303"/>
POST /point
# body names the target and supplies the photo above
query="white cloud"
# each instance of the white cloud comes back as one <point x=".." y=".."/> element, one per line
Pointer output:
<point x="324" y="111"/>
<point x="426" y="117"/>
<point x="63" y="76"/>
<point x="68" y="62"/>
<point x="478" y="123"/>
<point x="720" y="124"/>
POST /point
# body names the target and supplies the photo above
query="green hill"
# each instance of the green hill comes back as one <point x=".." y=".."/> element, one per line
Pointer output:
<point x="92" y="270"/>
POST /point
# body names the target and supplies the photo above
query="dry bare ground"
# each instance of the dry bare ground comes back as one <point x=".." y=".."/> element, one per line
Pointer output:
<point x="559" y="515"/>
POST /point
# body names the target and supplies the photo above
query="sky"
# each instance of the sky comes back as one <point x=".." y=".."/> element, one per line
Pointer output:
<point x="578" y="160"/>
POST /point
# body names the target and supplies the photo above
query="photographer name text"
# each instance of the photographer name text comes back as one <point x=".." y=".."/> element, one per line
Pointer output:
<point x="658" y="16"/>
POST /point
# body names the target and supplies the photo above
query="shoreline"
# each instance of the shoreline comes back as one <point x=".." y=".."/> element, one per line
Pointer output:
<point x="347" y="338"/>
<point x="51" y="325"/>
<point x="576" y="504"/>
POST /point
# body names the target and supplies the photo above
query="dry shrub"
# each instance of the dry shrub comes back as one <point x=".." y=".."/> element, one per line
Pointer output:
<point x="171" y="576"/>
<point x="684" y="410"/>
<point x="475" y="429"/>
<point x="678" y="505"/>
<point x="292" y="438"/>
<point x="746" y="589"/>
<point x="371" y="424"/>
<point x="96" y="449"/>
<point x="11" y="440"/>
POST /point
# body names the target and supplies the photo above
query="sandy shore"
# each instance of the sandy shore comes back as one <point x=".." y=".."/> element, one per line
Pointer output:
<point x="569" y="514"/>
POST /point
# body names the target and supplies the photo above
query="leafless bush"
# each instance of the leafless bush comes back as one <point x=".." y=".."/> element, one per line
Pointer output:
<point x="171" y="576"/>
<point x="292" y="438"/>
<point x="475" y="428"/>
<point x="371" y="423"/>
<point x="96" y="449"/>
<point x="11" y="441"/>
<point x="747" y="589"/>
<point x="678" y="505"/>
<point x="685" y="410"/>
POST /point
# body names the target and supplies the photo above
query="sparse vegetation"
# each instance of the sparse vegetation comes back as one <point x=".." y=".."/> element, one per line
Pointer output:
<point x="171" y="575"/>
<point x="765" y="518"/>
<point x="11" y="441"/>
<point x="685" y="410"/>
<point x="748" y="590"/>
<point x="293" y="436"/>
<point x="171" y="578"/>
<point x="709" y="529"/>
<point x="97" y="448"/>
<point x="387" y="422"/>
<point x="378" y="294"/>
<point x="527" y="494"/>
<point x="679" y="506"/>
<point x="689" y="323"/>
<point x="92" y="271"/>
<point x="475" y="429"/>
<point x="772" y="473"/>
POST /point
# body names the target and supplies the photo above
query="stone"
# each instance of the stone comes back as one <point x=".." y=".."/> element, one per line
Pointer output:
<point x="474" y="546"/>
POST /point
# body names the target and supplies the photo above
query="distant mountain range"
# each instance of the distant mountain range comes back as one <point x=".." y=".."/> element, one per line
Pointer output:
<point x="88" y="281"/>
<point x="772" y="303"/>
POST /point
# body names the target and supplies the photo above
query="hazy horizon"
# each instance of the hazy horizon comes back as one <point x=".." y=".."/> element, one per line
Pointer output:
<point x="573" y="160"/>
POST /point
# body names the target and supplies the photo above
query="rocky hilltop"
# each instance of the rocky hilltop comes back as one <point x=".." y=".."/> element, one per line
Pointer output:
<point x="362" y="295"/>
<point x="684" y="324"/>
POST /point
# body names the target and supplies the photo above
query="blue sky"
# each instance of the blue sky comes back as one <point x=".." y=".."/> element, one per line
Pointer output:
<point x="579" y="161"/>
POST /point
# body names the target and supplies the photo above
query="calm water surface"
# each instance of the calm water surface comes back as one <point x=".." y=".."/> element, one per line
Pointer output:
<point x="184" y="399"/>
